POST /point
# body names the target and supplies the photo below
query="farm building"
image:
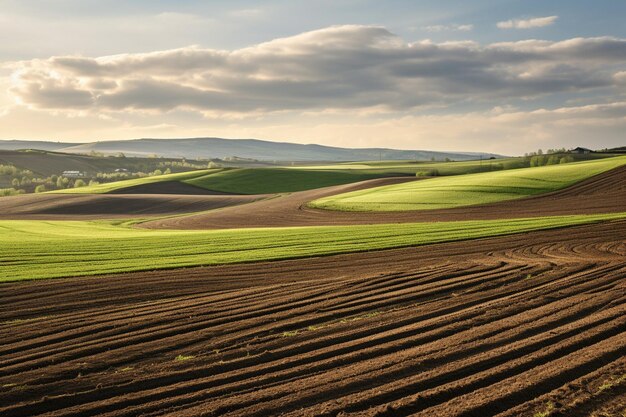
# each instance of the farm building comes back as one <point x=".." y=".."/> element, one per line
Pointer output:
<point x="73" y="174"/>
<point x="580" y="150"/>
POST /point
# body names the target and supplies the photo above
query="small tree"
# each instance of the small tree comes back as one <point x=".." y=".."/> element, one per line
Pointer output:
<point x="40" y="189"/>
<point x="552" y="160"/>
<point x="62" y="182"/>
<point x="79" y="183"/>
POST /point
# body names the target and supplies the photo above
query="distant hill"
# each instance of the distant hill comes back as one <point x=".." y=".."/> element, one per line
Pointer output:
<point x="53" y="163"/>
<point x="11" y="145"/>
<point x="258" y="149"/>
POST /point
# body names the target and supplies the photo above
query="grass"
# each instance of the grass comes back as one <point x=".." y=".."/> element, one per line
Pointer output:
<point x="276" y="180"/>
<point x="300" y="178"/>
<point x="118" y="185"/>
<point x="182" y="358"/>
<point x="609" y="384"/>
<point x="51" y="249"/>
<point x="465" y="190"/>
<point x="548" y="410"/>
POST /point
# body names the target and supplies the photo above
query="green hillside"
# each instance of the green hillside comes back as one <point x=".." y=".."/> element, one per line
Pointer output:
<point x="49" y="249"/>
<point x="472" y="189"/>
<point x="268" y="181"/>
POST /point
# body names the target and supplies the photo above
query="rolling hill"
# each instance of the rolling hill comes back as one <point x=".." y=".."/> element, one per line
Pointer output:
<point x="12" y="145"/>
<point x="204" y="148"/>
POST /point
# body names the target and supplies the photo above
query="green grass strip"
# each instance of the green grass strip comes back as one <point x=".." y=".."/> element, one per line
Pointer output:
<point x="277" y="180"/>
<point x="466" y="190"/>
<point x="51" y="249"/>
<point x="118" y="185"/>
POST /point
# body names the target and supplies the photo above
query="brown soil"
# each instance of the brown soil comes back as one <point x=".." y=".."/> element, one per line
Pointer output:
<point x="168" y="187"/>
<point x="604" y="193"/>
<point x="500" y="326"/>
<point x="101" y="206"/>
<point x="158" y="199"/>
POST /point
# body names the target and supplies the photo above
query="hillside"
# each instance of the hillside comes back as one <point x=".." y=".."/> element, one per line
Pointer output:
<point x="258" y="149"/>
<point x="11" y="145"/>
<point x="467" y="190"/>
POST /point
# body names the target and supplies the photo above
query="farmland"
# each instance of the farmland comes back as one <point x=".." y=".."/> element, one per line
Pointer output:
<point x="244" y="298"/>
<point x="458" y="191"/>
<point x="106" y="248"/>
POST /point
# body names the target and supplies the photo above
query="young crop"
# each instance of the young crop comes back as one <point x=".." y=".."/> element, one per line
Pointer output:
<point x="49" y="249"/>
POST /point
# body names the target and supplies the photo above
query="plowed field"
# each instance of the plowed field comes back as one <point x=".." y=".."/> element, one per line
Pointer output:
<point x="507" y="326"/>
<point x="603" y="193"/>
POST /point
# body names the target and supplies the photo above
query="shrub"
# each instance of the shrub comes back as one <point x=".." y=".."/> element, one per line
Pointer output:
<point x="62" y="182"/>
<point x="5" y="192"/>
<point x="40" y="189"/>
<point x="79" y="183"/>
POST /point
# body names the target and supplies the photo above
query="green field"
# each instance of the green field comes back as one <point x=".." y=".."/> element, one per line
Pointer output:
<point x="277" y="180"/>
<point x="300" y="178"/>
<point x="49" y="249"/>
<point x="119" y="185"/>
<point x="465" y="190"/>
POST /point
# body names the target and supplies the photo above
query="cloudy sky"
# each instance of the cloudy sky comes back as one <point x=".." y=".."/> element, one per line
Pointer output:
<point x="508" y="76"/>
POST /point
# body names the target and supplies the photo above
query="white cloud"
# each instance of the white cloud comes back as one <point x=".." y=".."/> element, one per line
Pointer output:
<point x="345" y="85"/>
<point x="342" y="67"/>
<point x="453" y="28"/>
<point x="620" y="78"/>
<point x="536" y="22"/>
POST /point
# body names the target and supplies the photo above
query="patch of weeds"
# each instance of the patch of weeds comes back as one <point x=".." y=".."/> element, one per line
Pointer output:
<point x="549" y="409"/>
<point x="182" y="358"/>
<point x="22" y="321"/>
<point x="290" y="334"/>
<point x="128" y="368"/>
<point x="610" y="383"/>
<point x="361" y="317"/>
<point x="529" y="276"/>
<point x="15" y="387"/>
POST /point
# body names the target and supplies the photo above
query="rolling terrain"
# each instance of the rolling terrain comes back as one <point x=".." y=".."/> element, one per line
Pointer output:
<point x="467" y="190"/>
<point x="507" y="308"/>
<point x="257" y="149"/>
<point x="603" y="193"/>
<point x="505" y="326"/>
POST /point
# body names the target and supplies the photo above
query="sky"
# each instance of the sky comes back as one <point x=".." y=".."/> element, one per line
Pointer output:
<point x="506" y="76"/>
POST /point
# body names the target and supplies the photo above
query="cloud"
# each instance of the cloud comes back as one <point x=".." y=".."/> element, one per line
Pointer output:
<point x="453" y="28"/>
<point x="537" y="22"/>
<point x="340" y="67"/>
<point x="620" y="78"/>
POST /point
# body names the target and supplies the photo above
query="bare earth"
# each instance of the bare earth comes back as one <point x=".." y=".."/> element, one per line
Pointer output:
<point x="111" y="206"/>
<point x="604" y="193"/>
<point x="506" y="326"/>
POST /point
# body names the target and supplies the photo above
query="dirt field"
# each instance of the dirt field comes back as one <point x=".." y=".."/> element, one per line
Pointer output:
<point x="604" y="193"/>
<point x="531" y="324"/>
<point x="107" y="206"/>
<point x="168" y="187"/>
<point x="158" y="199"/>
<point x="504" y="326"/>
